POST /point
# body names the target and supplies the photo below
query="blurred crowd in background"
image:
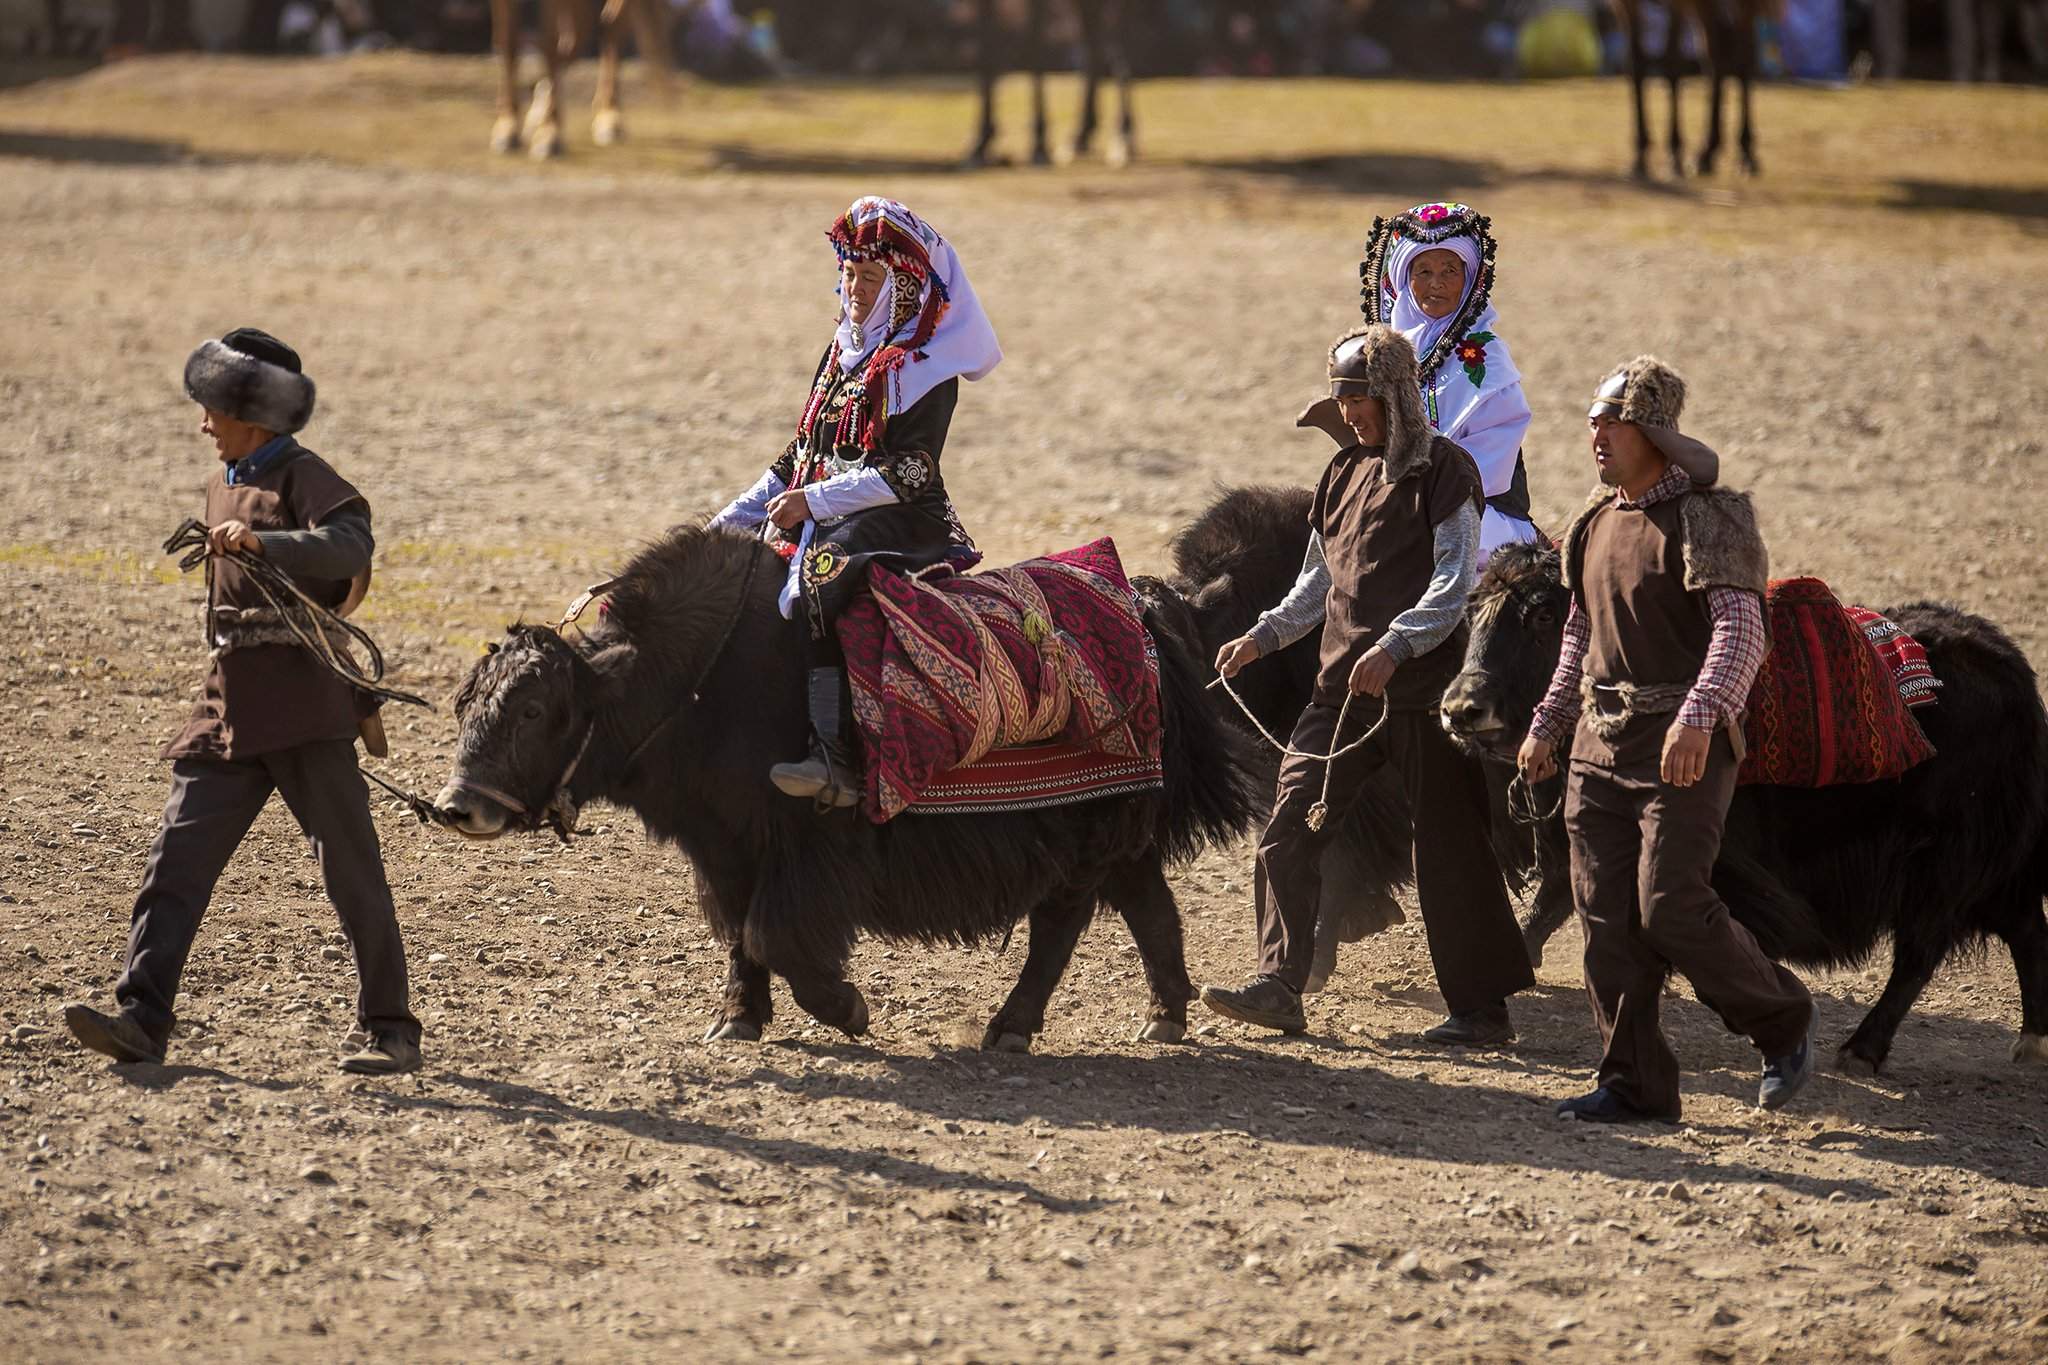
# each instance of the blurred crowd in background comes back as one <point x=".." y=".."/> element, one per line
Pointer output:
<point x="757" y="39"/>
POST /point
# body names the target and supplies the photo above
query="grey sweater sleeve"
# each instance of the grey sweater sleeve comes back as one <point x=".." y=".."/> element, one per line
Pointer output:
<point x="1431" y="620"/>
<point x="1301" y="611"/>
<point x="339" y="547"/>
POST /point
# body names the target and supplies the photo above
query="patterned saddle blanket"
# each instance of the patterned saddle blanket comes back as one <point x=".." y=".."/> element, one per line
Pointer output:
<point x="1010" y="689"/>
<point x="1830" y="703"/>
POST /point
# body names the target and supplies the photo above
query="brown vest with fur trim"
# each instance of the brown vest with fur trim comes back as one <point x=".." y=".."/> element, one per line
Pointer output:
<point x="1379" y="541"/>
<point x="1646" y="628"/>
<point x="261" y="698"/>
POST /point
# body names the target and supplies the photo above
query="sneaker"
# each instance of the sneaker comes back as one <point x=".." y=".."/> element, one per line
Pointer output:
<point x="1786" y="1076"/>
<point x="386" y="1054"/>
<point x="1474" y="1028"/>
<point x="1604" y="1106"/>
<point x="115" y="1035"/>
<point x="1266" y="1001"/>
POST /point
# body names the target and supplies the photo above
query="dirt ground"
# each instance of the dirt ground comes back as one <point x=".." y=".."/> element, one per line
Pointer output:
<point x="531" y="369"/>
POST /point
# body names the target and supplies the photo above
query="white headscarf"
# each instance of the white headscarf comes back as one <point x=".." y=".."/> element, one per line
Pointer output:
<point x="858" y="342"/>
<point x="1422" y="330"/>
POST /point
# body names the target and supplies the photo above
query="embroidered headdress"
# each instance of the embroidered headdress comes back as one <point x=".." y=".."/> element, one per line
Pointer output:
<point x="935" y="327"/>
<point x="1390" y="251"/>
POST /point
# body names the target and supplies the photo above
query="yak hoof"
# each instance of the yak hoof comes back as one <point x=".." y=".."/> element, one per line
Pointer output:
<point x="2031" y="1049"/>
<point x="856" y="1021"/>
<point x="1005" y="1041"/>
<point x="733" y="1031"/>
<point x="1852" y="1063"/>
<point x="1162" y="1031"/>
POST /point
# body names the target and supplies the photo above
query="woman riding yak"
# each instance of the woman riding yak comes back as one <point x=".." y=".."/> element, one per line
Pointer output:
<point x="1428" y="274"/>
<point x="860" y="482"/>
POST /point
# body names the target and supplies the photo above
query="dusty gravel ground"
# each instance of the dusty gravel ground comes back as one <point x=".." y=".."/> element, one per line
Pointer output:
<point x="528" y="373"/>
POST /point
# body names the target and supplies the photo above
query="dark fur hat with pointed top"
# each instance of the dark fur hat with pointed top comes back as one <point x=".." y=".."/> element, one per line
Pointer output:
<point x="253" y="377"/>
<point x="1378" y="362"/>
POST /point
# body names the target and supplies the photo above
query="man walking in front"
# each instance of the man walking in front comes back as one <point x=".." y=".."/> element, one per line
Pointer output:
<point x="1392" y="557"/>
<point x="271" y="718"/>
<point x="1664" y="636"/>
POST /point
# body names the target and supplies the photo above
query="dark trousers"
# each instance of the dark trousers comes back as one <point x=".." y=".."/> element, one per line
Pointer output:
<point x="1642" y="854"/>
<point x="212" y="805"/>
<point x="1473" y="939"/>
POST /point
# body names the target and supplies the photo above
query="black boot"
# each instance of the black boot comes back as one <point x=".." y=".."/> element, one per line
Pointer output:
<point x="829" y="776"/>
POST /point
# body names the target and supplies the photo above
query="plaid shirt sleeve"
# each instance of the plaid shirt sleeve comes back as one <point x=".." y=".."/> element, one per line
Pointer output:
<point x="1734" y="655"/>
<point x="1559" y="709"/>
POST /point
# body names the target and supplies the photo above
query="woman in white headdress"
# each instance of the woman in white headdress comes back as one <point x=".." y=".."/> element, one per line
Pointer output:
<point x="1428" y="274"/>
<point x="860" y="483"/>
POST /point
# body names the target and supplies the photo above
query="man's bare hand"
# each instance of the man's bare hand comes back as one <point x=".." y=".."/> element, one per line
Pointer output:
<point x="789" y="510"/>
<point x="1235" y="655"/>
<point x="1685" y="754"/>
<point x="233" y="535"/>
<point x="1370" y="675"/>
<point x="1537" y="760"/>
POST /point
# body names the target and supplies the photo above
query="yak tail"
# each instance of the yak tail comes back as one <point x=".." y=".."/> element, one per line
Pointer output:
<point x="1211" y="775"/>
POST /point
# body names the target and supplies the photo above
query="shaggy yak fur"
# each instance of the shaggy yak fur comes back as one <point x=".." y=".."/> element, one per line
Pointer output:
<point x="790" y="889"/>
<point x="1821" y="876"/>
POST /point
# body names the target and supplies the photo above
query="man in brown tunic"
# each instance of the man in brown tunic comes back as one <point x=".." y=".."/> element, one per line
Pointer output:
<point x="271" y="718"/>
<point x="1392" y="559"/>
<point x="1664" y="638"/>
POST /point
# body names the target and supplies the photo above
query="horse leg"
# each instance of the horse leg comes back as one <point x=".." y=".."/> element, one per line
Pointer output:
<point x="606" y="125"/>
<point x="1632" y="20"/>
<point x="543" y="116"/>
<point x="1092" y="41"/>
<point x="505" y="42"/>
<point x="1123" y="148"/>
<point x="1142" y="896"/>
<point x="1056" y="925"/>
<point x="1041" y="146"/>
<point x="1915" y="955"/>
<point x="985" y="54"/>
<point x="1674" y="57"/>
<point x="1745" y="77"/>
<point x="2025" y="932"/>
<point x="1719" y="53"/>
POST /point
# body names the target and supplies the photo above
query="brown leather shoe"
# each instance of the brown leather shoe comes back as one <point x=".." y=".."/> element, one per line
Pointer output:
<point x="115" y="1035"/>
<point x="1266" y="1001"/>
<point x="386" y="1054"/>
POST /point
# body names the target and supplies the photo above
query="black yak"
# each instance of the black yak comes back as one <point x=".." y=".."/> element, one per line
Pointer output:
<point x="1951" y="854"/>
<point x="691" y="685"/>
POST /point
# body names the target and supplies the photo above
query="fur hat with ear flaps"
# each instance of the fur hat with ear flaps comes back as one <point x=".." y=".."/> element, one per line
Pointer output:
<point x="252" y="377"/>
<point x="1377" y="361"/>
<point x="1651" y="395"/>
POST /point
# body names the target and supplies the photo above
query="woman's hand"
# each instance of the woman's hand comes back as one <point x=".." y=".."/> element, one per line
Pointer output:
<point x="789" y="510"/>
<point x="1235" y="655"/>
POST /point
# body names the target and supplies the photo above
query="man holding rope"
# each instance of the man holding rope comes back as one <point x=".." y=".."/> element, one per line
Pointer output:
<point x="1393" y="555"/>
<point x="272" y="716"/>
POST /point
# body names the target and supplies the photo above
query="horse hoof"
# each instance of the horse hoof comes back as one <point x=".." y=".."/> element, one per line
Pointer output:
<point x="607" y="129"/>
<point x="1006" y="1042"/>
<point x="857" y="1018"/>
<point x="2031" y="1049"/>
<point x="733" y="1031"/>
<point x="546" y="145"/>
<point x="1162" y="1031"/>
<point x="1850" y="1063"/>
<point x="505" y="135"/>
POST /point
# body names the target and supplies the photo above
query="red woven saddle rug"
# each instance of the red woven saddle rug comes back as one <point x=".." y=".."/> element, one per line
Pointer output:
<point x="1826" y="708"/>
<point x="951" y="674"/>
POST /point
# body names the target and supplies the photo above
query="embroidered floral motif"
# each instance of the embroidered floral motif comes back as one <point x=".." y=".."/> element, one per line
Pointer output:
<point x="1471" y="353"/>
<point x="1436" y="213"/>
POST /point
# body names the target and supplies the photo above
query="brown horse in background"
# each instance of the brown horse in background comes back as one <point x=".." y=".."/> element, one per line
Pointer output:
<point x="1106" y="50"/>
<point x="565" y="27"/>
<point x="1729" y="30"/>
